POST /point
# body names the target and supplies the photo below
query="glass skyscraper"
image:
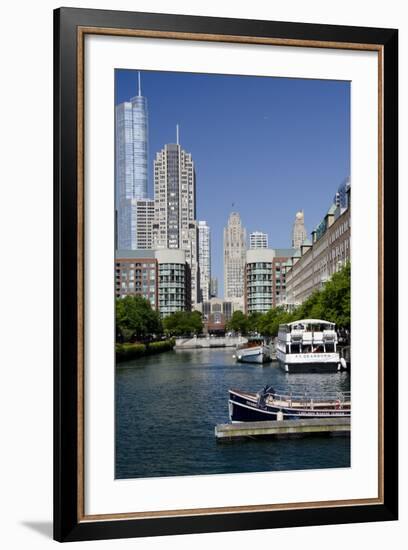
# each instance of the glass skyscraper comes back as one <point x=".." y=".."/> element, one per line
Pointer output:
<point x="131" y="168"/>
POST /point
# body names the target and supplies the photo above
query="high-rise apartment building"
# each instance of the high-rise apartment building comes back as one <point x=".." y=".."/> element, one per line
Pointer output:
<point x="174" y="281"/>
<point x="175" y="224"/>
<point x="265" y="278"/>
<point x="234" y="257"/>
<point x="144" y="223"/>
<point x="131" y="171"/>
<point x="160" y="276"/>
<point x="136" y="275"/>
<point x="299" y="230"/>
<point x="204" y="259"/>
<point x="258" y="239"/>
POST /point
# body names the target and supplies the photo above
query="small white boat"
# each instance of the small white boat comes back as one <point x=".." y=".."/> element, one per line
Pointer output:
<point x="254" y="351"/>
<point x="308" y="345"/>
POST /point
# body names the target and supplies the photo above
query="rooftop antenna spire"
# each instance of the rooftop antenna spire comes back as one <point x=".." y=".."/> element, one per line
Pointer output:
<point x="177" y="135"/>
<point x="139" y="85"/>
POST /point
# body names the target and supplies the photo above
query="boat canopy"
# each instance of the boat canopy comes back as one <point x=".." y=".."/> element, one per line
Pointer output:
<point x="310" y="322"/>
<point x="304" y="324"/>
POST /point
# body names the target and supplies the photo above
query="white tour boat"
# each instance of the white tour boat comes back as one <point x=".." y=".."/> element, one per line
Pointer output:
<point x="308" y="345"/>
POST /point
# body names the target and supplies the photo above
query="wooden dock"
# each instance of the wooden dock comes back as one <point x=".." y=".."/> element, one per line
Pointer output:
<point x="284" y="428"/>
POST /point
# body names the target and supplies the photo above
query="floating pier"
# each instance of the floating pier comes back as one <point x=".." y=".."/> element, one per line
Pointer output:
<point x="284" y="428"/>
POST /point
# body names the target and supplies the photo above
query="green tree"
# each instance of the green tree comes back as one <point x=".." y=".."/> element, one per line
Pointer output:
<point x="183" y="322"/>
<point x="136" y="320"/>
<point x="335" y="298"/>
<point x="238" y="322"/>
<point x="311" y="308"/>
<point x="332" y="303"/>
<point x="269" y="322"/>
<point x="253" y="321"/>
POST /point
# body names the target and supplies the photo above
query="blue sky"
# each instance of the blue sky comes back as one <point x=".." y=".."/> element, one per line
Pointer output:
<point x="270" y="146"/>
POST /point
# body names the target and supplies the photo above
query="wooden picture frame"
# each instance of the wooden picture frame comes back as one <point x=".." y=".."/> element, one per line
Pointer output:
<point x="70" y="28"/>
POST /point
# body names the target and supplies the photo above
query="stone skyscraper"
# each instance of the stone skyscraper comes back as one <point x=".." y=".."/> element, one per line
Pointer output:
<point x="234" y="257"/>
<point x="175" y="224"/>
<point x="204" y="259"/>
<point x="131" y="173"/>
<point x="299" y="230"/>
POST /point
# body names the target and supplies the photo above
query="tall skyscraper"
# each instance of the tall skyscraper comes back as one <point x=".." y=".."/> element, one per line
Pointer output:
<point x="131" y="173"/>
<point x="299" y="230"/>
<point x="175" y="224"/>
<point x="204" y="259"/>
<point x="214" y="287"/>
<point x="144" y="223"/>
<point x="257" y="239"/>
<point x="234" y="257"/>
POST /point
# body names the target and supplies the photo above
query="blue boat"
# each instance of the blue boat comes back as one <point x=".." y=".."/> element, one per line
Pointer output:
<point x="269" y="404"/>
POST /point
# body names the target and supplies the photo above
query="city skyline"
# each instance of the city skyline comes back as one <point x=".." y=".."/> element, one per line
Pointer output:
<point x="287" y="119"/>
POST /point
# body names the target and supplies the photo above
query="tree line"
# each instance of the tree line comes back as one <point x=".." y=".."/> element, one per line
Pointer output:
<point x="137" y="321"/>
<point x="331" y="303"/>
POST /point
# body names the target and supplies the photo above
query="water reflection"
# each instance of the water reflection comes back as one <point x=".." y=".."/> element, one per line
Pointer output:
<point x="167" y="406"/>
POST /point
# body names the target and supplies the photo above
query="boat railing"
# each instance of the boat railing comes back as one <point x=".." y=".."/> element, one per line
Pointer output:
<point x="335" y="398"/>
<point x="250" y="344"/>
<point x="308" y="337"/>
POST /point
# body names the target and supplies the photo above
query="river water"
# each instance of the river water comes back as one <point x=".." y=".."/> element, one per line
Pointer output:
<point x="167" y="406"/>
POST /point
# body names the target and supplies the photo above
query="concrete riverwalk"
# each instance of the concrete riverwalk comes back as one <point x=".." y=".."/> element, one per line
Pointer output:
<point x="210" y="342"/>
<point x="284" y="428"/>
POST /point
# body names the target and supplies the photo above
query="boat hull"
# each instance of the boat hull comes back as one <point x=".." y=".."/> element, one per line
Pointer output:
<point x="246" y="408"/>
<point x="309" y="362"/>
<point x="258" y="355"/>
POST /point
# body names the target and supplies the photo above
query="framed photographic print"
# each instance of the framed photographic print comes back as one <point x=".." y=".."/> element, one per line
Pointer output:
<point x="225" y="274"/>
